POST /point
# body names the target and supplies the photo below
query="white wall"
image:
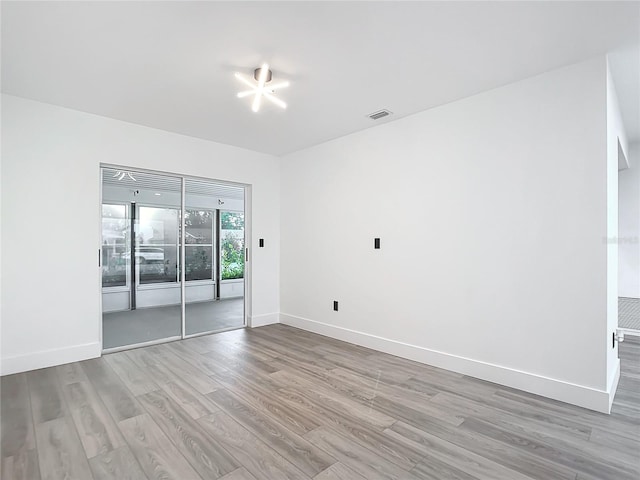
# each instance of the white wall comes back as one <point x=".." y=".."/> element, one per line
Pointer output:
<point x="629" y="225"/>
<point x="51" y="227"/>
<point x="492" y="213"/>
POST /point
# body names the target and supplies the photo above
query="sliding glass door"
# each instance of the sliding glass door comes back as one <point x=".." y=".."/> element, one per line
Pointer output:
<point x="141" y="294"/>
<point x="172" y="257"/>
<point x="212" y="304"/>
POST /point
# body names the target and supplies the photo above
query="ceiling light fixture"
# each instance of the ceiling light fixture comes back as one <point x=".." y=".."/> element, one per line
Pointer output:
<point x="120" y="174"/>
<point x="263" y="76"/>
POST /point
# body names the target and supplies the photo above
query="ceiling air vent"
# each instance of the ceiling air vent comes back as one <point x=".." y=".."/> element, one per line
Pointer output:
<point x="379" y="114"/>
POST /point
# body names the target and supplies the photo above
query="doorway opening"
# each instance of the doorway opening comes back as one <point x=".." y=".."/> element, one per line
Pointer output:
<point x="172" y="257"/>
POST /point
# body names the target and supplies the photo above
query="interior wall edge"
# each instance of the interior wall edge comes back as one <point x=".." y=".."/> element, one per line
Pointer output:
<point x="49" y="358"/>
<point x="579" y="395"/>
<point x="613" y="385"/>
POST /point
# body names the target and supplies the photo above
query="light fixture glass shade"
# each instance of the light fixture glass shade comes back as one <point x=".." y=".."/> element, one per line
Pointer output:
<point x="262" y="87"/>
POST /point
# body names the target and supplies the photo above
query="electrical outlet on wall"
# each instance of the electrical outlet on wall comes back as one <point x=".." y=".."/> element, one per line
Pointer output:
<point x="335" y="305"/>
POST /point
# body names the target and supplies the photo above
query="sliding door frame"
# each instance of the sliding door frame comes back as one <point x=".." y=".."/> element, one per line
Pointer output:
<point x="183" y="195"/>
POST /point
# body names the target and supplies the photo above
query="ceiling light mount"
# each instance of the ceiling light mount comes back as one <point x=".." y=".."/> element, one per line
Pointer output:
<point x="256" y="75"/>
<point x="262" y="76"/>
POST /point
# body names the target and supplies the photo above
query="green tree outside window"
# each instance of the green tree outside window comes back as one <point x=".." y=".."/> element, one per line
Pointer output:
<point x="232" y="245"/>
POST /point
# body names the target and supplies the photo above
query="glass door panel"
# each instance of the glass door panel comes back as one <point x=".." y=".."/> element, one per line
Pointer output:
<point x="232" y="245"/>
<point x="213" y="301"/>
<point x="115" y="241"/>
<point x="157" y="245"/>
<point x="142" y="298"/>
<point x="199" y="236"/>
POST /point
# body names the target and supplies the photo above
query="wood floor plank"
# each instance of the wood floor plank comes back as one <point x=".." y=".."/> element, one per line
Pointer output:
<point x="455" y="456"/>
<point x="239" y="474"/>
<point x="373" y="387"/>
<point x="204" y="453"/>
<point x="621" y="443"/>
<point x="71" y="373"/>
<point x="254" y="351"/>
<point x="202" y="363"/>
<point x="390" y="400"/>
<point x="526" y="404"/>
<point x="362" y="460"/>
<point x="119" y="401"/>
<point x="188" y="389"/>
<point x="173" y="367"/>
<point x="357" y="410"/>
<point x="299" y="344"/>
<point x="478" y="445"/>
<point x="568" y="424"/>
<point x="21" y="466"/>
<point x="385" y="375"/>
<point x="225" y="340"/>
<point x="157" y="455"/>
<point x="433" y="384"/>
<point x="403" y="455"/>
<point x="118" y="464"/>
<point x="97" y="430"/>
<point x="194" y="403"/>
<point x="253" y="454"/>
<point x="548" y="433"/>
<point x="298" y="451"/>
<point x="143" y="357"/>
<point x="47" y="400"/>
<point x="323" y="413"/>
<point x="361" y="388"/>
<point x="435" y="469"/>
<point x="489" y="409"/>
<point x="201" y="345"/>
<point x="409" y="367"/>
<point x="60" y="453"/>
<point x="262" y="395"/>
<point x="131" y="375"/>
<point x="570" y="457"/>
<point x="15" y="415"/>
<point x="291" y="351"/>
<point x="291" y="365"/>
<point x="338" y="471"/>
<point x="240" y="364"/>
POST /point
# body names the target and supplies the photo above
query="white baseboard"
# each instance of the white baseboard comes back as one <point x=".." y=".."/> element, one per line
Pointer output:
<point x="265" y="319"/>
<point x="49" y="358"/>
<point x="587" y="397"/>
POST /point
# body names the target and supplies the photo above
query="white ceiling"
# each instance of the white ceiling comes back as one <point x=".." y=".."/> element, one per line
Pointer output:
<point x="170" y="65"/>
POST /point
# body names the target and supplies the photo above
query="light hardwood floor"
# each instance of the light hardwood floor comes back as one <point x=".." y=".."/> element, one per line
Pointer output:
<point x="280" y="403"/>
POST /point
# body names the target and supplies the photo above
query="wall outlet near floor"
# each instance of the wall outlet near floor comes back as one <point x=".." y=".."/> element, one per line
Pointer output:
<point x="335" y="305"/>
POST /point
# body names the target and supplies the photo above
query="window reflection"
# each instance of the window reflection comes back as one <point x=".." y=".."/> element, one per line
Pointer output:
<point x="199" y="244"/>
<point x="115" y="242"/>
<point x="157" y="245"/>
<point x="157" y="251"/>
<point x="232" y="245"/>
